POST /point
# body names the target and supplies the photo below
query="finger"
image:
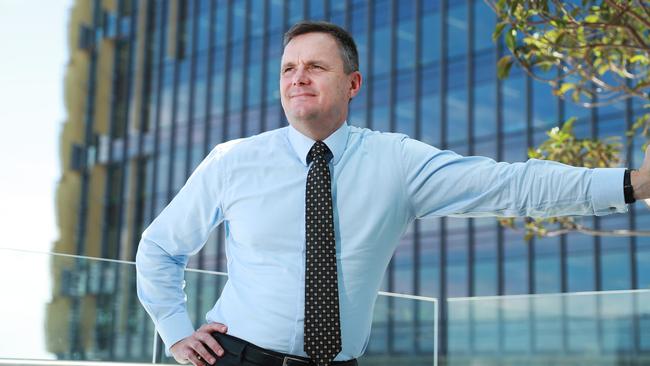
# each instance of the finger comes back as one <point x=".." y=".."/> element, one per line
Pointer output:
<point x="211" y="343"/>
<point x="200" y="349"/>
<point x="214" y="327"/>
<point x="195" y="360"/>
<point x="181" y="352"/>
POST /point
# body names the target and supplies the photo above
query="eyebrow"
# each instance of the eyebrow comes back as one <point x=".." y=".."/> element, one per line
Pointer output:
<point x="311" y="62"/>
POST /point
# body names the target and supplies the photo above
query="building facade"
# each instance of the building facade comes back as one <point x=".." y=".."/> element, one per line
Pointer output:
<point x="152" y="86"/>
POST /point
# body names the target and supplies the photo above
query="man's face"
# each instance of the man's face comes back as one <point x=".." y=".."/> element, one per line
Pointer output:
<point x="315" y="90"/>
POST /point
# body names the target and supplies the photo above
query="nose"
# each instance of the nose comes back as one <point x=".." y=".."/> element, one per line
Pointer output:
<point x="300" y="77"/>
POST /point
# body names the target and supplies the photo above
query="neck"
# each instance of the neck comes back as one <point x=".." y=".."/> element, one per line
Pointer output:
<point x="317" y="134"/>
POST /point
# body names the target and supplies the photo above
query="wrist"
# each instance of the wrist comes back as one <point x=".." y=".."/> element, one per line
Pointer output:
<point x="636" y="184"/>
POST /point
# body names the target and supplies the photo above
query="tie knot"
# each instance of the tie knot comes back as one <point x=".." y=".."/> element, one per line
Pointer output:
<point x="318" y="150"/>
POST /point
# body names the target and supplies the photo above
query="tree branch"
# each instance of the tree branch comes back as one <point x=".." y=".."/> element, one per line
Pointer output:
<point x="581" y="66"/>
<point x="491" y="5"/>
<point x="636" y="36"/>
<point x="628" y="10"/>
<point x="599" y="45"/>
<point x="645" y="7"/>
<point x="561" y="6"/>
<point x="587" y="231"/>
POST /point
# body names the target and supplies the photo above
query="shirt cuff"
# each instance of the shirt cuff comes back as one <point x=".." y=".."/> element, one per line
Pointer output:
<point x="174" y="328"/>
<point x="607" y="191"/>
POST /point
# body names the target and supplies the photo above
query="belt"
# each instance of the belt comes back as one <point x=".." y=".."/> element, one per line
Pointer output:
<point x="250" y="352"/>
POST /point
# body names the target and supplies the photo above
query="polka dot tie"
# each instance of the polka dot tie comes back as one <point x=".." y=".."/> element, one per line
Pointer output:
<point x="322" y="323"/>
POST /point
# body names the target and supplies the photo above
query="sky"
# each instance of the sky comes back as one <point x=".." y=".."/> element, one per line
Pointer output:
<point x="33" y="49"/>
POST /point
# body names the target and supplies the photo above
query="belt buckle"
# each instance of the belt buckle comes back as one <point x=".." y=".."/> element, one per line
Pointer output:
<point x="287" y="359"/>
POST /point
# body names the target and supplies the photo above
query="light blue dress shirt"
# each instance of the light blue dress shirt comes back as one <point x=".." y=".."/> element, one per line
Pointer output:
<point x="381" y="182"/>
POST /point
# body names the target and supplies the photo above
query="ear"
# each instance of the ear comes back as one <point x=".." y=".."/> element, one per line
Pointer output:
<point x="355" y="83"/>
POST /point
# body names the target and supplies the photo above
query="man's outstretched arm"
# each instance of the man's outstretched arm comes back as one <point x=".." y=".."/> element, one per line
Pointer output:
<point x="443" y="183"/>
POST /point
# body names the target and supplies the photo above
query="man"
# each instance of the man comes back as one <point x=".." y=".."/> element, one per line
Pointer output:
<point x="313" y="212"/>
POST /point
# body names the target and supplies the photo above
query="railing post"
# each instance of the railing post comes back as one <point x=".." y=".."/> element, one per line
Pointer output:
<point x="435" y="332"/>
<point x="157" y="348"/>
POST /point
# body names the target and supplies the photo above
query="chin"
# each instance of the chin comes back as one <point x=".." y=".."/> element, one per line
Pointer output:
<point x="305" y="114"/>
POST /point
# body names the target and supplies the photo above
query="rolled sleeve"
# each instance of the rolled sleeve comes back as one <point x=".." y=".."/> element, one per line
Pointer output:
<point x="607" y="191"/>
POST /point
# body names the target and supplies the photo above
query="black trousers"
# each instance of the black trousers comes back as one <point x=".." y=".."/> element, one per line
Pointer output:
<point x="239" y="352"/>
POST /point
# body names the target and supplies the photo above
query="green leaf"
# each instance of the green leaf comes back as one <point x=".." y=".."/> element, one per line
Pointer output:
<point x="642" y="59"/>
<point x="498" y="30"/>
<point x="500" y="5"/>
<point x="511" y="40"/>
<point x="603" y="69"/>
<point x="503" y="67"/>
<point x="513" y="5"/>
<point x="567" y="127"/>
<point x="545" y="65"/>
<point x="565" y="88"/>
<point x="598" y="62"/>
<point x="593" y="18"/>
<point x="575" y="96"/>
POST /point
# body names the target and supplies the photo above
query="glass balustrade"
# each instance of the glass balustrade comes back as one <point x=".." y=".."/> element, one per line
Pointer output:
<point x="62" y="307"/>
<point x="590" y="328"/>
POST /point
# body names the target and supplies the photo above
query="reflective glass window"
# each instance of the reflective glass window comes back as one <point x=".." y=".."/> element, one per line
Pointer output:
<point x="296" y="11"/>
<point x="485" y="257"/>
<point x="457" y="31"/>
<point x="484" y="23"/>
<point x="183" y="92"/>
<point x="515" y="264"/>
<point x="457" y="257"/>
<point x="580" y="262"/>
<point x="430" y="38"/>
<point x="203" y="25"/>
<point x="547" y="276"/>
<point x="218" y="82"/>
<point x="405" y="35"/>
<point x="276" y="15"/>
<point x="316" y="10"/>
<point x="615" y="254"/>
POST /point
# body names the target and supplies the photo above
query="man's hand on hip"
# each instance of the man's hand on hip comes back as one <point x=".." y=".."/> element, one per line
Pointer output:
<point x="196" y="348"/>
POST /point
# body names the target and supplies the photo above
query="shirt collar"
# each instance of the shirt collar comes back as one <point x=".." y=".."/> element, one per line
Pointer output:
<point x="336" y="142"/>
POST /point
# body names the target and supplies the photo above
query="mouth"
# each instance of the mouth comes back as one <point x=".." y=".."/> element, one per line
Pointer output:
<point x="302" y="95"/>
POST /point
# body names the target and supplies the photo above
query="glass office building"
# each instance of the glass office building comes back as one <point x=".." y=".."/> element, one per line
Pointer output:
<point x="152" y="86"/>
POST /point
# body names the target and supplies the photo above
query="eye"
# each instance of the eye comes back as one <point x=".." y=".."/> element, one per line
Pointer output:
<point x="286" y="69"/>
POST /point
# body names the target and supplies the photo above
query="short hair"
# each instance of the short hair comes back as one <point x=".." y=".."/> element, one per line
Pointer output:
<point x="347" y="47"/>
